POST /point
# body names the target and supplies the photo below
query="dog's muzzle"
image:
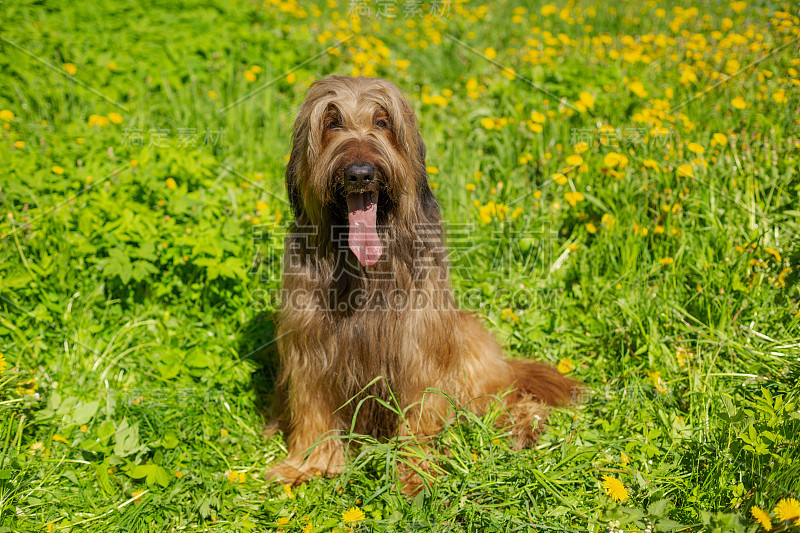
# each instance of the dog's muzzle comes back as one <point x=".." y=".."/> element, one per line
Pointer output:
<point x="362" y="208"/>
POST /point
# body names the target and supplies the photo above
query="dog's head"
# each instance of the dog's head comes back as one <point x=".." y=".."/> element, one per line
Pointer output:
<point x="358" y="160"/>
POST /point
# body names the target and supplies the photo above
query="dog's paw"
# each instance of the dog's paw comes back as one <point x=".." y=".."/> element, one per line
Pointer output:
<point x="289" y="473"/>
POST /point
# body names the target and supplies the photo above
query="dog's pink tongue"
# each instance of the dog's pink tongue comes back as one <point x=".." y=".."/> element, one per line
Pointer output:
<point x="363" y="239"/>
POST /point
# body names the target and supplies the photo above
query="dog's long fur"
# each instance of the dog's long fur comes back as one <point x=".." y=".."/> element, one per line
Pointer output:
<point x="343" y="324"/>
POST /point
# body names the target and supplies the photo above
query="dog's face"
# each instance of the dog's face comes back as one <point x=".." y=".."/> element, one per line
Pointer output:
<point x="357" y="160"/>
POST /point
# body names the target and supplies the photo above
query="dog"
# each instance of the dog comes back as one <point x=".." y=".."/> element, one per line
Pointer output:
<point x="367" y="307"/>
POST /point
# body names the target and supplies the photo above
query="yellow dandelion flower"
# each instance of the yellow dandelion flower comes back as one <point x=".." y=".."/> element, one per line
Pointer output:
<point x="98" y="120"/>
<point x="738" y="103"/>
<point x="573" y="198"/>
<point x="615" y="488"/>
<point x="781" y="281"/>
<point x="638" y="89"/>
<point x="658" y="383"/>
<point x="686" y="171"/>
<point x="565" y="365"/>
<point x="696" y="148"/>
<point x="58" y="170"/>
<point x="509" y="316"/>
<point x="60" y="438"/>
<point x="572" y="247"/>
<point x="432" y="170"/>
<point x="738" y="7"/>
<point x="250" y="76"/>
<point x="487" y="123"/>
<point x="559" y="178"/>
<point x="116" y="118"/>
<point x="261" y="206"/>
<point x="282" y="521"/>
<point x="517" y="213"/>
<point x="6" y="115"/>
<point x="537" y="194"/>
<point x="354" y="514"/>
<point x="402" y="64"/>
<point x="788" y="509"/>
<point x="614" y="159"/>
<point x="309" y="527"/>
<point x="178" y="474"/>
<point x="287" y="489"/>
<point x="586" y="99"/>
<point x="575" y="160"/>
<point x="171" y="184"/>
<point x="720" y="139"/>
<point x="19" y="144"/>
<point x="666" y="261"/>
<point x="538" y="117"/>
<point x="591" y="228"/>
<point x="650" y="163"/>
<point x="111" y="65"/>
<point x="779" y="96"/>
<point x="212" y="94"/>
<point x="3" y="363"/>
<point x="581" y="147"/>
<point x="291" y="77"/>
<point x="70" y="68"/>
<point x="490" y="53"/>
<point x="137" y="495"/>
<point x="536" y="128"/>
<point x="470" y="187"/>
<point x="774" y="253"/>
<point x="762" y="517"/>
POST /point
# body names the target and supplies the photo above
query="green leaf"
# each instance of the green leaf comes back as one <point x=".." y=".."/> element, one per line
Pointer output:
<point x="658" y="508"/>
<point x="158" y="474"/>
<point x="106" y="431"/>
<point x="140" y="471"/>
<point x="169" y="441"/>
<point x="84" y="412"/>
<point x="127" y="439"/>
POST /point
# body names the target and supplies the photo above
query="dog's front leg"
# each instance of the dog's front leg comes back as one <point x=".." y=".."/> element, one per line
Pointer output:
<point x="314" y="442"/>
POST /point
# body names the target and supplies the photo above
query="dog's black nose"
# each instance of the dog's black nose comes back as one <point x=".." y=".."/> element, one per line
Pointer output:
<point x="359" y="174"/>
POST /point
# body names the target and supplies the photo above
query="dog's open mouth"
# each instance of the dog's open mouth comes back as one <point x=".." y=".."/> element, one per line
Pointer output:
<point x="363" y="238"/>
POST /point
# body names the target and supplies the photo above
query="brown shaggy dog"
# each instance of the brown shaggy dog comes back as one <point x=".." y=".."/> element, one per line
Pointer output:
<point x="367" y="292"/>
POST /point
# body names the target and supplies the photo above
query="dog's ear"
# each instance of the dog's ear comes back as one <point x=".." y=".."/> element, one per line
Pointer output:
<point x="427" y="200"/>
<point x="291" y="188"/>
<point x="413" y="143"/>
<point x="298" y="158"/>
<point x="291" y="180"/>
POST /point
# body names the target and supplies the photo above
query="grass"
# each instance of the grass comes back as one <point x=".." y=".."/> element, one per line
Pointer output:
<point x="143" y="214"/>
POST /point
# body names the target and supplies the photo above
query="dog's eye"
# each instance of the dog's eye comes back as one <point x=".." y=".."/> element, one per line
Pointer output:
<point x="333" y="125"/>
<point x="381" y="124"/>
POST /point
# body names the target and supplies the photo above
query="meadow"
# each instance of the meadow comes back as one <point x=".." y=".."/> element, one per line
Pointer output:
<point x="621" y="187"/>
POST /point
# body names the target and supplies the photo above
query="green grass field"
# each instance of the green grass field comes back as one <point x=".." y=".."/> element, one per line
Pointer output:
<point x="621" y="185"/>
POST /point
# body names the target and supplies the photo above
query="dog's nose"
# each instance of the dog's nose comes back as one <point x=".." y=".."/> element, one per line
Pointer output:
<point x="359" y="174"/>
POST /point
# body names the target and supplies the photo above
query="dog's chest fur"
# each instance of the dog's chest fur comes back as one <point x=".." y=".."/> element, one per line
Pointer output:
<point x="389" y="327"/>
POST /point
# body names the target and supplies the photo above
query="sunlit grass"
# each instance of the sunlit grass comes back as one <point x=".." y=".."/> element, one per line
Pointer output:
<point x="613" y="206"/>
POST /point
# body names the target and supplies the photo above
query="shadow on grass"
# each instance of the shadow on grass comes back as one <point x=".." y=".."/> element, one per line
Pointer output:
<point x="257" y="342"/>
